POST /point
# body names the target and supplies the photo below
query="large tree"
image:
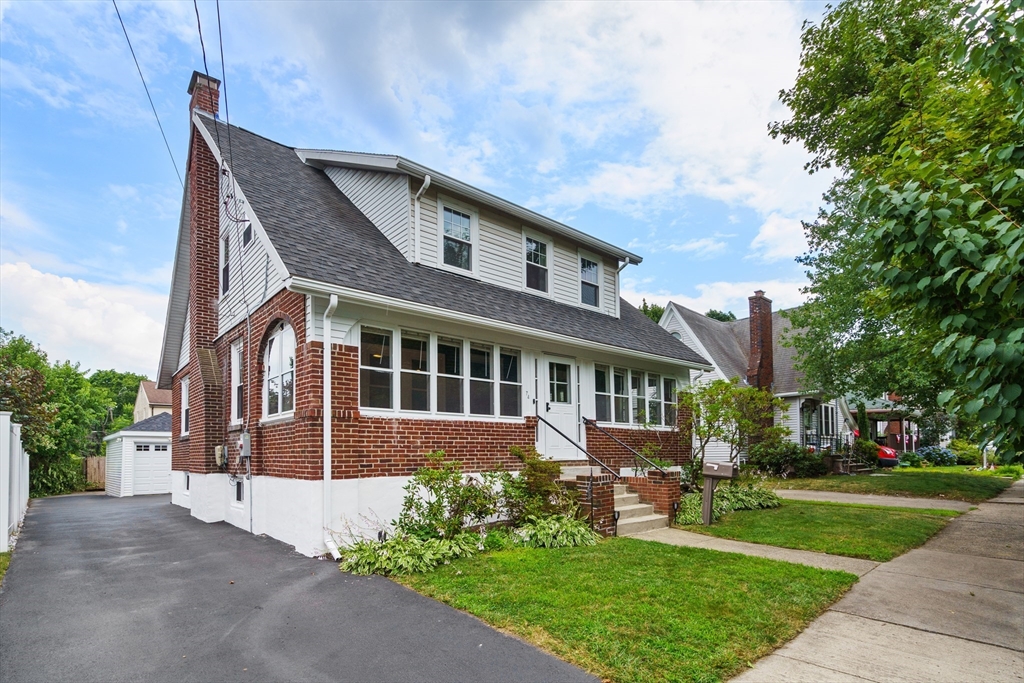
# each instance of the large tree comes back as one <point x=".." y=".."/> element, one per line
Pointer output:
<point x="921" y="105"/>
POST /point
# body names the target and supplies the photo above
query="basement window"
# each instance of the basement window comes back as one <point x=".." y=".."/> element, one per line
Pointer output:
<point x="239" y="491"/>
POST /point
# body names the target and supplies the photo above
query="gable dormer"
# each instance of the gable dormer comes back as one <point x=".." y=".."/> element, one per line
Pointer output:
<point x="437" y="221"/>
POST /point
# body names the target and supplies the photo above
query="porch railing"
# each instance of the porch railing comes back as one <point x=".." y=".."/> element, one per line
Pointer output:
<point x="590" y="456"/>
<point x="637" y="457"/>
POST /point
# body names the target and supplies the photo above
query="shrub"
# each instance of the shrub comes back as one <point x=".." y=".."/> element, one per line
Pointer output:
<point x="404" y="553"/>
<point x="440" y="500"/>
<point x="937" y="455"/>
<point x="910" y="459"/>
<point x="866" y="451"/>
<point x="727" y="499"/>
<point x="52" y="478"/>
<point x="535" y="492"/>
<point x="966" y="452"/>
<point x="1013" y="471"/>
<point x="556" y="531"/>
<point x="780" y="458"/>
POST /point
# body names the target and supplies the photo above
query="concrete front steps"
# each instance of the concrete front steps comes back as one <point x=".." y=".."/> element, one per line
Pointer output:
<point x="635" y="517"/>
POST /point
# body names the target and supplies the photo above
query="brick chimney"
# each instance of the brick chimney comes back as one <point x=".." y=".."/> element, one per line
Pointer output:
<point x="203" y="185"/>
<point x="761" y="368"/>
<point x="205" y="92"/>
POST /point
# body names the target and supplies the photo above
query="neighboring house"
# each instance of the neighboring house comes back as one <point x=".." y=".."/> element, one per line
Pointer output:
<point x="899" y="434"/>
<point x="750" y="349"/>
<point x="139" y="458"/>
<point x="151" y="401"/>
<point x="457" y="321"/>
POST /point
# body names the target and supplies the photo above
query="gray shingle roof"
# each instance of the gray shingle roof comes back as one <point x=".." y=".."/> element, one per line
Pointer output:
<point x="729" y="346"/>
<point x="157" y="423"/>
<point x="319" y="234"/>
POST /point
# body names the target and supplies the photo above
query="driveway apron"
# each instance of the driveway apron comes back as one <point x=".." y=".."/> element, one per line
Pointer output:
<point x="135" y="589"/>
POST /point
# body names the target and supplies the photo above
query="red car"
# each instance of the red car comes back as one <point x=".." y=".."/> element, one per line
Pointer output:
<point x="888" y="457"/>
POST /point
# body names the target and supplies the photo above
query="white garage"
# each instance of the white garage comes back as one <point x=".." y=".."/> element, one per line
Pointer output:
<point x="139" y="458"/>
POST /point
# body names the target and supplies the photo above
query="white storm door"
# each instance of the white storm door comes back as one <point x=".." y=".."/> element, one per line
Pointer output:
<point x="558" y="406"/>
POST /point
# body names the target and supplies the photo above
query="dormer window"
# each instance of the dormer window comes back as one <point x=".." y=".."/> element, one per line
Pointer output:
<point x="538" y="255"/>
<point x="590" y="277"/>
<point x="458" y="239"/>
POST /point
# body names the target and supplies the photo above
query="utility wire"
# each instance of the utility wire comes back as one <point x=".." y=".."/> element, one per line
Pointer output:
<point x="150" y="97"/>
<point x="224" y="82"/>
<point x="206" y="68"/>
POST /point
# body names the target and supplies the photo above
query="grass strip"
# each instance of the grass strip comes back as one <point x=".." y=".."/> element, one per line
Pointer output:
<point x="630" y="610"/>
<point x="5" y="562"/>
<point x="915" y="484"/>
<point x="866" y="531"/>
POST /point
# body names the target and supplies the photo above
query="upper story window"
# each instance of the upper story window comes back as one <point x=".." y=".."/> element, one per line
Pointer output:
<point x="590" y="278"/>
<point x="237" y="387"/>
<point x="457" y="239"/>
<point x="247" y="235"/>
<point x="279" y="372"/>
<point x="538" y="255"/>
<point x="184" y="406"/>
<point x="225" y="265"/>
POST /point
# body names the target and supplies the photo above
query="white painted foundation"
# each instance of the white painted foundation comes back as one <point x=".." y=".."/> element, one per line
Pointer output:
<point x="291" y="510"/>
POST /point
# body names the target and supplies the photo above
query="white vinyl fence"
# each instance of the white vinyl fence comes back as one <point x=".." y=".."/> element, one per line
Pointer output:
<point x="13" y="479"/>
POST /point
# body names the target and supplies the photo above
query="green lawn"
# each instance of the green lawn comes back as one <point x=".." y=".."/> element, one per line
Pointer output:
<point x="865" y="531"/>
<point x="5" y="561"/>
<point x="918" y="483"/>
<point x="630" y="610"/>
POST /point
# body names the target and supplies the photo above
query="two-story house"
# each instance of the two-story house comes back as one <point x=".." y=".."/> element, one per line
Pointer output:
<point x="751" y="349"/>
<point x="335" y="316"/>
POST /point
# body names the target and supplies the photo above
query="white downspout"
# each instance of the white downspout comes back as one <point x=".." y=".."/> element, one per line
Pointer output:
<point x="415" y="248"/>
<point x="618" y="284"/>
<point x="329" y="541"/>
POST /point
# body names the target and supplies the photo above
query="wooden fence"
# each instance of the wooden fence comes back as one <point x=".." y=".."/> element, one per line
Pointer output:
<point x="95" y="469"/>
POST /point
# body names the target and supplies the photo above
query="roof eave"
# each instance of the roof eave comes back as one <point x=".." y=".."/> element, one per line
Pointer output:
<point x="396" y="164"/>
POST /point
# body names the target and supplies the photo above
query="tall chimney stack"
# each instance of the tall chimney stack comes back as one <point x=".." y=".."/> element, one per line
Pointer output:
<point x="761" y="368"/>
<point x="205" y="92"/>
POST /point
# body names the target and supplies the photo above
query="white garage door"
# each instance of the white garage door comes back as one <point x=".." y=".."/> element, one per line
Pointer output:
<point x="152" y="468"/>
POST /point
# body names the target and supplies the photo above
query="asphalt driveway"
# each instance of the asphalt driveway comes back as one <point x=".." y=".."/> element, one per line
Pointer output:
<point x="135" y="589"/>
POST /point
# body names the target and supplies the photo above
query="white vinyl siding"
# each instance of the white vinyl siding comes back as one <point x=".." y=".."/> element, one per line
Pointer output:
<point x="565" y="287"/>
<point x="610" y="292"/>
<point x="186" y="338"/>
<point x="254" y="275"/>
<point x="114" y="467"/>
<point x="382" y="197"/>
<point x="138" y="464"/>
<point x="790" y="419"/>
<point x="499" y="253"/>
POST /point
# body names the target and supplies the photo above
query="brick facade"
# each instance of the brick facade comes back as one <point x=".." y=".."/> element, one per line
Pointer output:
<point x="660" y="490"/>
<point x="675" y="445"/>
<point x="761" y="368"/>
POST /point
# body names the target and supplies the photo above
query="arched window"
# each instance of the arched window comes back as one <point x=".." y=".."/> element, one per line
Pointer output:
<point x="279" y="374"/>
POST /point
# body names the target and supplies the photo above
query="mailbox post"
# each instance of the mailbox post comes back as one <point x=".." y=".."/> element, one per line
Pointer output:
<point x="714" y="472"/>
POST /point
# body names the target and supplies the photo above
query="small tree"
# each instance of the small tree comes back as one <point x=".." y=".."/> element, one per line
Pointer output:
<point x="862" y="421"/>
<point x="753" y="419"/>
<point x="652" y="311"/>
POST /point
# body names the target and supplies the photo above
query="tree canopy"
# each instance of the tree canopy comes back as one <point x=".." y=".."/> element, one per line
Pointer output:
<point x="652" y="311"/>
<point x="725" y="317"/>
<point x="916" y="263"/>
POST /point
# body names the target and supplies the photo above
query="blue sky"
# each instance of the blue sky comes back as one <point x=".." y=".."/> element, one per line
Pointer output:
<point x="643" y="124"/>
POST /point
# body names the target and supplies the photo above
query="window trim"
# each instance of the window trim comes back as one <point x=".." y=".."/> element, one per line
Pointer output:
<point x="550" y="243"/>
<point x="644" y="377"/>
<point x="225" y="265"/>
<point x="474" y="234"/>
<point x="281" y="415"/>
<point x="235" y="360"/>
<point x="433" y="413"/>
<point x="593" y="258"/>
<point x="185" y="413"/>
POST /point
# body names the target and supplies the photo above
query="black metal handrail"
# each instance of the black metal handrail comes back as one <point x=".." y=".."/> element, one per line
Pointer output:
<point x="593" y="423"/>
<point x="579" y="447"/>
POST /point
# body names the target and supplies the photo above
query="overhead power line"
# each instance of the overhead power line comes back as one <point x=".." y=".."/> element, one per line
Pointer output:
<point x="224" y="82"/>
<point x="206" y="67"/>
<point x="150" y="97"/>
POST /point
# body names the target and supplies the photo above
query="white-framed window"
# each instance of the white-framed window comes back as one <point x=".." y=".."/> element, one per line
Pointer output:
<point x="828" y="420"/>
<point x="653" y="399"/>
<point x="279" y="372"/>
<point x="247" y="235"/>
<point x="225" y="265"/>
<point x="184" y="406"/>
<point x="634" y="397"/>
<point x="671" y="399"/>
<point x="237" y="386"/>
<point x="141" y="447"/>
<point x="438" y="375"/>
<point x="602" y="393"/>
<point x="591" y="273"/>
<point x="621" y="387"/>
<point x="375" y="368"/>
<point x="538" y="255"/>
<point x="457" y="231"/>
<point x="511" y="381"/>
<point x="415" y="388"/>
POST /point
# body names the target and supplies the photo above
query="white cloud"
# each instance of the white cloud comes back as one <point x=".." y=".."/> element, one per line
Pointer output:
<point x="704" y="247"/>
<point x="723" y="296"/>
<point x="100" y="326"/>
<point x="778" y="239"/>
<point x="12" y="217"/>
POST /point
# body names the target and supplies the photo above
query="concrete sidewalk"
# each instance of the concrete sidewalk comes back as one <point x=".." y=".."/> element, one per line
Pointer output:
<point x="952" y="610"/>
<point x="869" y="499"/>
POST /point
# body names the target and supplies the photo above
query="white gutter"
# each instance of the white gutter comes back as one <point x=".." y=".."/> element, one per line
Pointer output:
<point x="316" y="288"/>
<point x="414" y="245"/>
<point x="328" y="539"/>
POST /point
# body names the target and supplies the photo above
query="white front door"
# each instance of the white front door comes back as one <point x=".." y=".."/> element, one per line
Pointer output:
<point x="558" y="406"/>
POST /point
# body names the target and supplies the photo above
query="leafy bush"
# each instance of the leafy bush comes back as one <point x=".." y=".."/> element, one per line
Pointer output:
<point x="440" y="500"/>
<point x="910" y="459"/>
<point x="966" y="452"/>
<point x="404" y="553"/>
<point x="535" y="492"/>
<point x="1014" y="471"/>
<point x="556" y="531"/>
<point x="780" y="458"/>
<point x="727" y="499"/>
<point x="62" y="475"/>
<point x="866" y="451"/>
<point x="937" y="455"/>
